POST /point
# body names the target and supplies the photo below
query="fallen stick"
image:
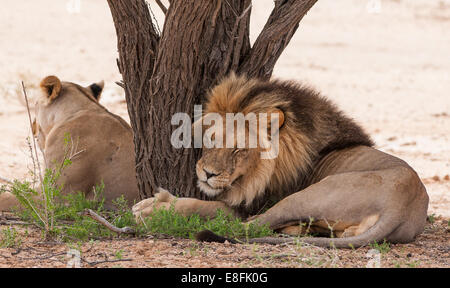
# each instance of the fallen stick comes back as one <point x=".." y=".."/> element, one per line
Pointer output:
<point x="106" y="261"/>
<point x="104" y="222"/>
<point x="14" y="222"/>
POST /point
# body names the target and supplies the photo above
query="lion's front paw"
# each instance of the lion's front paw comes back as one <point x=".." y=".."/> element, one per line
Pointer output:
<point x="163" y="199"/>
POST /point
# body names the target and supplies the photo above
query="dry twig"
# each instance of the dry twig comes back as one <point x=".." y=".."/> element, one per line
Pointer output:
<point x="14" y="222"/>
<point x="104" y="222"/>
<point x="105" y="261"/>
<point x="31" y="127"/>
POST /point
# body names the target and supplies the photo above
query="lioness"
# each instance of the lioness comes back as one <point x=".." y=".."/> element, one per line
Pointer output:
<point x="327" y="178"/>
<point x="100" y="146"/>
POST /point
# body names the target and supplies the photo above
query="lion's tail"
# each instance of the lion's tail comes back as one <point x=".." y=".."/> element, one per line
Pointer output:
<point x="378" y="232"/>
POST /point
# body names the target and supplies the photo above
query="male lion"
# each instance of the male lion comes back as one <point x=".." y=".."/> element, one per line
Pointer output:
<point x="327" y="178"/>
<point x="100" y="146"/>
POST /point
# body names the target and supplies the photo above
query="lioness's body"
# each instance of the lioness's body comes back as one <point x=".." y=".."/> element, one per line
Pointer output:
<point x="327" y="179"/>
<point x="100" y="147"/>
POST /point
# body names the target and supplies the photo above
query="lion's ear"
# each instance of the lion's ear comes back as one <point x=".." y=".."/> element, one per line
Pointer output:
<point x="51" y="86"/>
<point x="97" y="89"/>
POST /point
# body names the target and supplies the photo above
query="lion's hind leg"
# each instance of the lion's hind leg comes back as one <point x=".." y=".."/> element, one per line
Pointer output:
<point x="362" y="227"/>
<point x="381" y="204"/>
<point x="330" y="229"/>
<point x="305" y="230"/>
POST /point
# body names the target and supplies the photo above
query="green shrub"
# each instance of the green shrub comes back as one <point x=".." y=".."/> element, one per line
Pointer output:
<point x="172" y="223"/>
<point x="9" y="238"/>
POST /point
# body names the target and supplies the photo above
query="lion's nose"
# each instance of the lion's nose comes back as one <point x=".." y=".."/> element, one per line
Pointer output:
<point x="209" y="174"/>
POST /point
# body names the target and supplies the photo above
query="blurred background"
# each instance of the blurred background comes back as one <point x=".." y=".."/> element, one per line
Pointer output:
<point x="384" y="62"/>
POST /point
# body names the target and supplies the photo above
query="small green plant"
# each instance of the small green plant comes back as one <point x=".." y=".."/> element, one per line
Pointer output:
<point x="9" y="238"/>
<point x="122" y="215"/>
<point x="40" y="204"/>
<point x="193" y="249"/>
<point x="413" y="264"/>
<point x="431" y="218"/>
<point x="68" y="223"/>
<point x="383" y="248"/>
<point x="119" y="254"/>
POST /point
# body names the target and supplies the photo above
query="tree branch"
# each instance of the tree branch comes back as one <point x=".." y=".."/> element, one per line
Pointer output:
<point x="104" y="222"/>
<point x="240" y="31"/>
<point x="275" y="36"/>
<point x="161" y="5"/>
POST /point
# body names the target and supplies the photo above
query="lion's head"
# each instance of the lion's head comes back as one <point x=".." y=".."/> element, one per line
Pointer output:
<point x="59" y="101"/>
<point x="239" y="175"/>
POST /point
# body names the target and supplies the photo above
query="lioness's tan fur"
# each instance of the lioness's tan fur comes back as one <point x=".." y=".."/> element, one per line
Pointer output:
<point x="100" y="147"/>
<point x="327" y="177"/>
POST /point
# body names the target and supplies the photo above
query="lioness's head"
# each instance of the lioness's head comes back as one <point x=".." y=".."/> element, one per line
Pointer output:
<point x="59" y="101"/>
<point x="239" y="174"/>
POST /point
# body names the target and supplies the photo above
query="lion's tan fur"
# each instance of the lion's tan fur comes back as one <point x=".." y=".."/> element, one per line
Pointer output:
<point x="326" y="174"/>
<point x="101" y="144"/>
<point x="294" y="156"/>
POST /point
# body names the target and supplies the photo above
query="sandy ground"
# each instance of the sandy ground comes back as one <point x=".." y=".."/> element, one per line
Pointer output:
<point x="429" y="250"/>
<point x="387" y="66"/>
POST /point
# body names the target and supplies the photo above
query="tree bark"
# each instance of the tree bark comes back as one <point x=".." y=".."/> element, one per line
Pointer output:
<point x="138" y="46"/>
<point x="275" y="36"/>
<point x="201" y="42"/>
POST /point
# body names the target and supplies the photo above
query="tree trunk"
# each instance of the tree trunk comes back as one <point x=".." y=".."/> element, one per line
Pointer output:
<point x="201" y="42"/>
